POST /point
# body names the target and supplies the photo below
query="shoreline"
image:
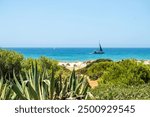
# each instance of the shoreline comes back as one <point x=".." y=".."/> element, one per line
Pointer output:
<point x="75" y="65"/>
<point x="82" y="64"/>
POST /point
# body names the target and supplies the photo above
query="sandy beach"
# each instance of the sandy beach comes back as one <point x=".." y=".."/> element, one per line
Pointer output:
<point x="79" y="65"/>
<point x="147" y="62"/>
<point x="75" y="65"/>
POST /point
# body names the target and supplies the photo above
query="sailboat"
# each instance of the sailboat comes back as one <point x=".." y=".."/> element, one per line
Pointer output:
<point x="100" y="51"/>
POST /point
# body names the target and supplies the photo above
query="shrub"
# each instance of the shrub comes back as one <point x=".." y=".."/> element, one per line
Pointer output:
<point x="45" y="63"/>
<point x="127" y="72"/>
<point x="9" y="61"/>
<point x="96" y="69"/>
<point x="98" y="61"/>
<point x="112" y="92"/>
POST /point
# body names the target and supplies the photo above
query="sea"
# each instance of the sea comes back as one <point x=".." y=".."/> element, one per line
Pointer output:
<point x="84" y="54"/>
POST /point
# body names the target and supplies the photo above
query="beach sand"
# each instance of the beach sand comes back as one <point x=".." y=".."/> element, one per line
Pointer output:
<point x="147" y="62"/>
<point x="75" y="65"/>
<point x="79" y="65"/>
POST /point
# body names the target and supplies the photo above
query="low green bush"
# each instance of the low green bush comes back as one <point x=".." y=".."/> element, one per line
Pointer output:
<point x="45" y="63"/>
<point x="112" y="92"/>
<point x="123" y="80"/>
<point x="9" y="61"/>
<point x="96" y="69"/>
<point x="126" y="72"/>
<point x="12" y="61"/>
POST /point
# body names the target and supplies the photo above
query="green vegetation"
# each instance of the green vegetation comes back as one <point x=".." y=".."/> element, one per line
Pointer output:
<point x="96" y="69"/>
<point x="109" y="92"/>
<point x="126" y="79"/>
<point x="39" y="79"/>
<point x="44" y="79"/>
<point x="9" y="61"/>
<point x="45" y="63"/>
<point x="12" y="61"/>
<point x="44" y="86"/>
<point x="5" y="90"/>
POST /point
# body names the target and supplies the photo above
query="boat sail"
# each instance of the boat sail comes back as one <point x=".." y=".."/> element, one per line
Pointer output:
<point x="100" y="51"/>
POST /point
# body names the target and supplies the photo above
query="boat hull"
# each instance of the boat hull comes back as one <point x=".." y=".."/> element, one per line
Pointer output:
<point x="98" y="52"/>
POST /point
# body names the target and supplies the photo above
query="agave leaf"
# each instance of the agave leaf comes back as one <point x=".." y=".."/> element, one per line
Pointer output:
<point x="78" y="88"/>
<point x="3" y="94"/>
<point x="57" y="87"/>
<point x="71" y="80"/>
<point x="18" y="92"/>
<point x="32" y="92"/>
<point x="85" y="89"/>
<point x="45" y="91"/>
<point x="82" y="79"/>
<point x="14" y="96"/>
<point x="25" y="90"/>
<point x="17" y="82"/>
<point x="30" y="78"/>
<point x="40" y="88"/>
<point x="71" y="94"/>
<point x="21" y="78"/>
<point x="1" y="82"/>
<point x="46" y="86"/>
<point x="74" y="83"/>
<point x="52" y="85"/>
<point x="64" y="90"/>
<point x="32" y="72"/>
<point x="36" y="78"/>
<point x="60" y="82"/>
<point x="47" y="82"/>
<point x="8" y="93"/>
<point x="89" y="96"/>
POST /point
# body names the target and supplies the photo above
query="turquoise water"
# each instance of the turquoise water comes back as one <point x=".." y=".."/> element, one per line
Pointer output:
<point x="83" y="54"/>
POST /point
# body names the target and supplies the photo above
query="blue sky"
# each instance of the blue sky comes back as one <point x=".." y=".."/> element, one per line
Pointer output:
<point x="74" y="23"/>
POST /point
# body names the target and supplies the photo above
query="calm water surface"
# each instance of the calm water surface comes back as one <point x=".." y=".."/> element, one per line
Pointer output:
<point x="83" y="54"/>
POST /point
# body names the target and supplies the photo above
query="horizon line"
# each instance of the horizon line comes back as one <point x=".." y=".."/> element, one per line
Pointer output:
<point x="74" y="47"/>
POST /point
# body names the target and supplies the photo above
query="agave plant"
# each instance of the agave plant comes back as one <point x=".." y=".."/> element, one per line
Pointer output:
<point x="74" y="88"/>
<point x="31" y="87"/>
<point x="6" y="92"/>
<point x="42" y="86"/>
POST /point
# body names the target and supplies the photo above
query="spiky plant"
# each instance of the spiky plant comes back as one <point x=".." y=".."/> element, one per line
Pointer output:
<point x="6" y="92"/>
<point x="42" y="86"/>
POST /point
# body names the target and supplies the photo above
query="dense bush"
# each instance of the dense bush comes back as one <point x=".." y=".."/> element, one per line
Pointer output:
<point x="96" y="69"/>
<point x="126" y="72"/>
<point x="123" y="80"/>
<point x="45" y="63"/>
<point x="42" y="63"/>
<point x="12" y="61"/>
<point x="98" y="61"/>
<point x="112" y="92"/>
<point x="9" y="61"/>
